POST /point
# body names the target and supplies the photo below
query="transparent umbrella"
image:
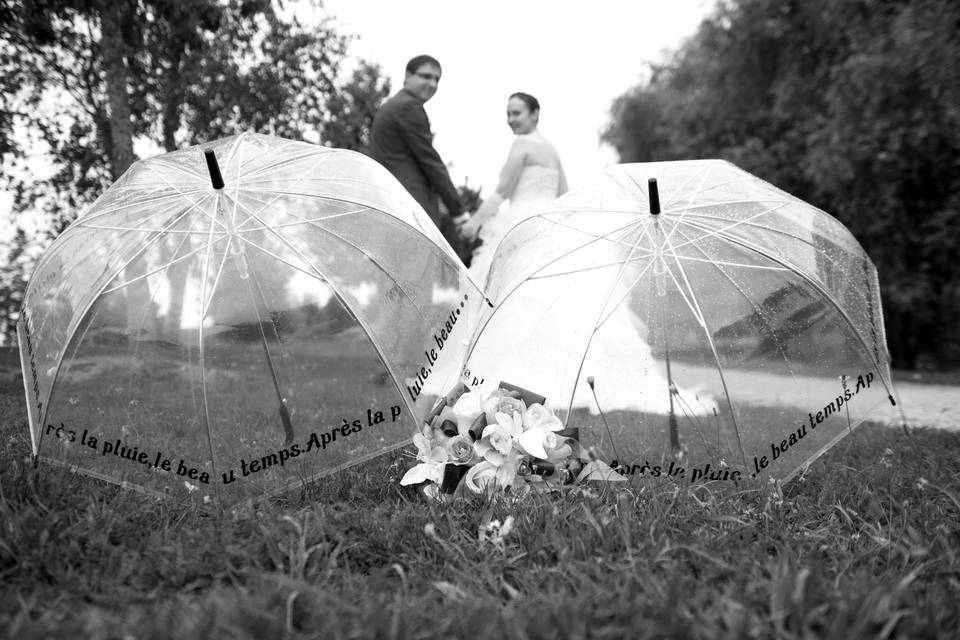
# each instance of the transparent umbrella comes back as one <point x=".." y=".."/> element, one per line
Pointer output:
<point x="225" y="333"/>
<point x="722" y="330"/>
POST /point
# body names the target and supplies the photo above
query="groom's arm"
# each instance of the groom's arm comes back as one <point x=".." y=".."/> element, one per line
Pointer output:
<point x="415" y="130"/>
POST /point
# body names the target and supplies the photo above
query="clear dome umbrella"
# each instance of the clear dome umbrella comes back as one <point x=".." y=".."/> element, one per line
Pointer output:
<point x="226" y="333"/>
<point x="721" y="328"/>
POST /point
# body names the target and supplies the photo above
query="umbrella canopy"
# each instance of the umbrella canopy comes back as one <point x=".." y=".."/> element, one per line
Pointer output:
<point x="235" y="322"/>
<point x="727" y="328"/>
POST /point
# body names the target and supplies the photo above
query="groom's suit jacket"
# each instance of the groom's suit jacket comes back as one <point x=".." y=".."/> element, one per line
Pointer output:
<point x="401" y="141"/>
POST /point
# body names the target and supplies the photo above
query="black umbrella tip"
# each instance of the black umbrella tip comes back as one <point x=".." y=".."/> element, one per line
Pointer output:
<point x="216" y="178"/>
<point x="654" y="196"/>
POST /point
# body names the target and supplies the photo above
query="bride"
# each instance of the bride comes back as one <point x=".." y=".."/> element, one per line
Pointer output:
<point x="548" y="337"/>
<point x="531" y="177"/>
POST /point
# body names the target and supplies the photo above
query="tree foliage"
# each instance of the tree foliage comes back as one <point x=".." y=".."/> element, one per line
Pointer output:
<point x="852" y="105"/>
<point x="82" y="81"/>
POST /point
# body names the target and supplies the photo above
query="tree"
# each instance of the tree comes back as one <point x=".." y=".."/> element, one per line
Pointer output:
<point x="12" y="282"/>
<point x="354" y="107"/>
<point x="848" y="104"/>
<point x="176" y="72"/>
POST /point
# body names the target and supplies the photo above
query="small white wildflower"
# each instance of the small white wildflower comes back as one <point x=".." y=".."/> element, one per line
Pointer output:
<point x="586" y="492"/>
<point x="922" y="483"/>
<point x="190" y="487"/>
<point x="495" y="532"/>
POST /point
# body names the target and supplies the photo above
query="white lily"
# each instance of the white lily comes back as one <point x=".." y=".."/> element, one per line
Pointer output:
<point x="540" y="427"/>
<point x="432" y="461"/>
<point x="504" y="432"/>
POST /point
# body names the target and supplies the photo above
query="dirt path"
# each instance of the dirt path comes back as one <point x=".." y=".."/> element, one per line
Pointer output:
<point x="925" y="405"/>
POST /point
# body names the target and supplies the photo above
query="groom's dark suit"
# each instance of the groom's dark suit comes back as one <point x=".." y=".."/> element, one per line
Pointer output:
<point x="401" y="141"/>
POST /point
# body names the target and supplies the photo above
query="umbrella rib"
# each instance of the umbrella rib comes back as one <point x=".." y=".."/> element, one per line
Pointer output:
<point x="369" y="206"/>
<point x="356" y="202"/>
<point x="717" y="185"/>
<point x="640" y="211"/>
<point x="596" y="325"/>
<point x="588" y="233"/>
<point x="327" y="180"/>
<point x="823" y="292"/>
<point x="692" y="208"/>
<point x="234" y="148"/>
<point x="645" y="232"/>
<point x="300" y="179"/>
<point x="699" y="190"/>
<point x="143" y="229"/>
<point x="749" y="223"/>
<point x="509" y="293"/>
<point x="373" y="260"/>
<point x="641" y="190"/>
<point x="743" y="293"/>
<point x="649" y="236"/>
<point x="213" y="218"/>
<point x="626" y="293"/>
<point x="634" y="211"/>
<point x="193" y="205"/>
<point x="84" y="220"/>
<point x="157" y="270"/>
<point x="731" y="264"/>
<point x="713" y="347"/>
<point x="309" y="150"/>
<point x="280" y="258"/>
<point x="826" y="256"/>
<point x="760" y="250"/>
<point x="200" y="347"/>
<point x="74" y="324"/>
<point x="302" y="221"/>
<point x="82" y="223"/>
<point x="735" y="224"/>
<point x="617" y="175"/>
<point x="381" y="353"/>
<point x="595" y="267"/>
<point x="204" y="302"/>
<point x="251" y="279"/>
<point x="604" y="236"/>
<point x="175" y="166"/>
<point x="704" y="172"/>
<point x="364" y="204"/>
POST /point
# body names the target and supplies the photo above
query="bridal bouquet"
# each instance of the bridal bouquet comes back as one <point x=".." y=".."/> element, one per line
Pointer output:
<point x="497" y="438"/>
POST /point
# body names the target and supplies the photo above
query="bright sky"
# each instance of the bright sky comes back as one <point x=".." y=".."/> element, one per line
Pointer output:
<point x="575" y="57"/>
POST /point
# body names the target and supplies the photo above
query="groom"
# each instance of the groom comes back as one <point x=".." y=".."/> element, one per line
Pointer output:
<point x="401" y="141"/>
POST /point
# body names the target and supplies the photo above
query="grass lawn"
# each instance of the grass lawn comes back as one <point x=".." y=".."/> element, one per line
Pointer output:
<point x="866" y="544"/>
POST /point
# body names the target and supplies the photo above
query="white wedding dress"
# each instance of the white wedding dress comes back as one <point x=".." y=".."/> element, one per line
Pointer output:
<point x="537" y="339"/>
<point x="537" y="187"/>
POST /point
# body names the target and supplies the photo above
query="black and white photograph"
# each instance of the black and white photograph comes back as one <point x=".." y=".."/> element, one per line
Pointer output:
<point x="366" y="319"/>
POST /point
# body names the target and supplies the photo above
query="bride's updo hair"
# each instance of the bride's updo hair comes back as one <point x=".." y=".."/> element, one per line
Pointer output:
<point x="532" y="103"/>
